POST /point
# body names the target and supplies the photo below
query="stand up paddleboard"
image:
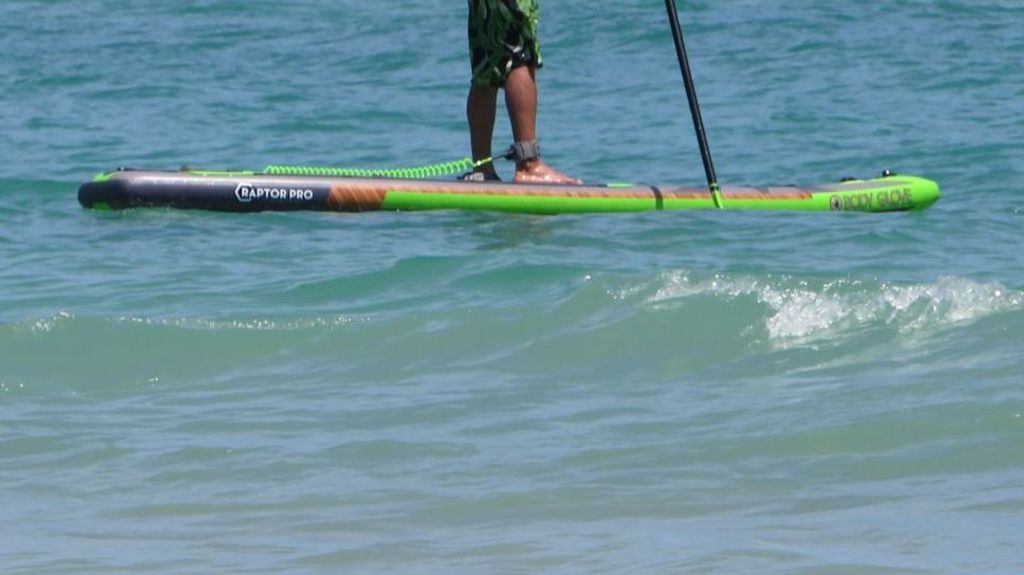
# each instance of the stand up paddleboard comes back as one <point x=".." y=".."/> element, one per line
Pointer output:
<point x="281" y="190"/>
<point x="285" y="188"/>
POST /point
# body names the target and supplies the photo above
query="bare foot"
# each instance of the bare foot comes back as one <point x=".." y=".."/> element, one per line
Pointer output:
<point x="537" y="172"/>
<point x="485" y="174"/>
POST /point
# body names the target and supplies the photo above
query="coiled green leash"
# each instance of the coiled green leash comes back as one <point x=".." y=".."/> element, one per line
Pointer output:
<point x="413" y="173"/>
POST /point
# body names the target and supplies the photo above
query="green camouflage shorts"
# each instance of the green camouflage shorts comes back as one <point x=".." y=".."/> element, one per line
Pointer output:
<point x="502" y="36"/>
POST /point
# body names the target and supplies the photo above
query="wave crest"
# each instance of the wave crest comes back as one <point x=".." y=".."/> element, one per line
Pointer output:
<point x="804" y="310"/>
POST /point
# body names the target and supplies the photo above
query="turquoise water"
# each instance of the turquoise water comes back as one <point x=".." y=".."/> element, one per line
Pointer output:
<point x="186" y="392"/>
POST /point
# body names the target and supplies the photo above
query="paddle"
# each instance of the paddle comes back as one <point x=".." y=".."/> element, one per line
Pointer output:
<point x="691" y="95"/>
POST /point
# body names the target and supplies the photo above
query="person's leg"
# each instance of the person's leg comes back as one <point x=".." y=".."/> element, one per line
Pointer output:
<point x="521" y="99"/>
<point x="481" y="107"/>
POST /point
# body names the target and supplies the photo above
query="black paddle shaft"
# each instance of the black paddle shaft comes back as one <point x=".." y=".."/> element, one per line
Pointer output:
<point x="691" y="95"/>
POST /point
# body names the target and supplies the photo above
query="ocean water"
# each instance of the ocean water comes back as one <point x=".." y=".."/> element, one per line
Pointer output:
<point x="448" y="392"/>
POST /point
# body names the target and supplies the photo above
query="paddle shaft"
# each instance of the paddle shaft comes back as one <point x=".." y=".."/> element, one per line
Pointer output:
<point x="691" y="96"/>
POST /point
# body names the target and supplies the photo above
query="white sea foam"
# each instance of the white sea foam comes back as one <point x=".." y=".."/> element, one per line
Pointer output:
<point x="54" y="322"/>
<point x="804" y="311"/>
<point x="252" y="324"/>
<point x="43" y="325"/>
